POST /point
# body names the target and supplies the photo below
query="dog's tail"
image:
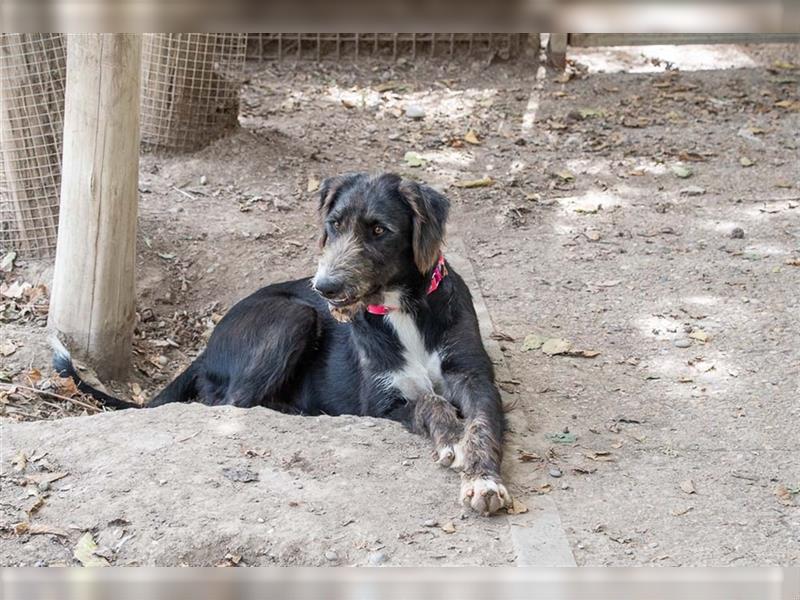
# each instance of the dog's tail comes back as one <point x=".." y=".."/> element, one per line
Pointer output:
<point x="182" y="389"/>
<point x="62" y="363"/>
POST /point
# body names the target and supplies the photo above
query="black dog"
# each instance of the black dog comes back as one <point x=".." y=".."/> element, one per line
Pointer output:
<point x="385" y="328"/>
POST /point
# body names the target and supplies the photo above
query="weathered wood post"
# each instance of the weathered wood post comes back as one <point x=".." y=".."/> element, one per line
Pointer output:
<point x="93" y="299"/>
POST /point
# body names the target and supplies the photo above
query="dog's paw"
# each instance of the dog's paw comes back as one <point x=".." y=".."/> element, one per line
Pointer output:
<point x="450" y="456"/>
<point x="484" y="495"/>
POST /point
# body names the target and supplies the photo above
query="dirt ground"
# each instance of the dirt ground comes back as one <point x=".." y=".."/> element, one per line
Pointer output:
<point x="644" y="206"/>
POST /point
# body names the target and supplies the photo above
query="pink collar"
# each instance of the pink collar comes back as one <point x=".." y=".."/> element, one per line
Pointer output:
<point x="439" y="273"/>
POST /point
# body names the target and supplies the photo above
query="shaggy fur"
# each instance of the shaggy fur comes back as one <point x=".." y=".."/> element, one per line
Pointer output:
<point x="310" y="347"/>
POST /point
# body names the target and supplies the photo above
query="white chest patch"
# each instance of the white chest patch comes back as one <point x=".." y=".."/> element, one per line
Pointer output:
<point x="422" y="372"/>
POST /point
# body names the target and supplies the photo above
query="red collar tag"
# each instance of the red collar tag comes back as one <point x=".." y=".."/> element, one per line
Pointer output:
<point x="439" y="273"/>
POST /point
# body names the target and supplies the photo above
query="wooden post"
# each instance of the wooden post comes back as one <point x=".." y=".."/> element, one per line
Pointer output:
<point x="93" y="301"/>
<point x="557" y="50"/>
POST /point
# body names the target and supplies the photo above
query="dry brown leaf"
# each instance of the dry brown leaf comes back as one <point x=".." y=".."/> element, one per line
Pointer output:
<point x="601" y="456"/>
<point x="699" y="335"/>
<point x="555" y="346"/>
<point x="449" y="527"/>
<point x="472" y="138"/>
<point x="7" y="348"/>
<point x="476" y="183"/>
<point x="517" y="507"/>
<point x="681" y="512"/>
<point x="784" y="496"/>
<point x="19" y="462"/>
<point x="525" y="456"/>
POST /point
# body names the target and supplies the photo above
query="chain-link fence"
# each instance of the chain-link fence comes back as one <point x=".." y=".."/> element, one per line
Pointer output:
<point x="190" y="88"/>
<point x="32" y="73"/>
<point x="334" y="46"/>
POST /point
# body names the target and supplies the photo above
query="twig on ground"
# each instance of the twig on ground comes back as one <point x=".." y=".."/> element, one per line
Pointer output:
<point x="15" y="386"/>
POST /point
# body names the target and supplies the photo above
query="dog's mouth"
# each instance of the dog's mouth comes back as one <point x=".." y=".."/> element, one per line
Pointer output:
<point x="370" y="296"/>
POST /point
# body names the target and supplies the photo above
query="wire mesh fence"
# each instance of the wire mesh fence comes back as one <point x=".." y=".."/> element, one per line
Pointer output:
<point x="335" y="46"/>
<point x="32" y="73"/>
<point x="190" y="88"/>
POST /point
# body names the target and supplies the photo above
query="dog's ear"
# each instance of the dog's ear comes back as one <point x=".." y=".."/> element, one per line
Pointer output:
<point x="328" y="193"/>
<point x="430" y="209"/>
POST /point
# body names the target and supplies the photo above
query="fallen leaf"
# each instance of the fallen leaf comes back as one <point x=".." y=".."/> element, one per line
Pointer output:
<point x="449" y="527"/>
<point x="601" y="456"/>
<point x="15" y="290"/>
<point x="8" y="348"/>
<point x="7" y="264"/>
<point x="166" y="255"/>
<point x="532" y="341"/>
<point x="699" y="335"/>
<point x="682" y="171"/>
<point x="414" y="160"/>
<point x="84" y="552"/>
<point x="19" y="462"/>
<point x="746" y="162"/>
<point x="681" y="512"/>
<point x="312" y="185"/>
<point x="476" y="183"/>
<point x="525" y="456"/>
<point x="688" y="486"/>
<point x="565" y="175"/>
<point x="784" y="495"/>
<point x="34" y="376"/>
<point x="588" y="113"/>
<point x="584" y="470"/>
<point x="517" y="507"/>
<point x="544" y="489"/>
<point x="37" y="504"/>
<point x="555" y="346"/>
<point x="46" y="530"/>
<point x="562" y="438"/>
<point x="793" y="262"/>
<point x="471" y="138"/>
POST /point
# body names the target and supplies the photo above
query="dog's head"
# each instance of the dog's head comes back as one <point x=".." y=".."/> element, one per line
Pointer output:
<point x="378" y="232"/>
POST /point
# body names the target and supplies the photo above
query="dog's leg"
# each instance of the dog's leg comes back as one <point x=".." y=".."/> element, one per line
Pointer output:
<point x="438" y="419"/>
<point x="481" y="446"/>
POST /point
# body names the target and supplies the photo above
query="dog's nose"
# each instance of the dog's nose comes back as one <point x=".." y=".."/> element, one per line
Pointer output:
<point x="329" y="288"/>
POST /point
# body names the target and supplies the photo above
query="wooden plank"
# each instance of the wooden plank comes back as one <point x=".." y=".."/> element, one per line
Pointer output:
<point x="93" y="300"/>
<point x="645" y="39"/>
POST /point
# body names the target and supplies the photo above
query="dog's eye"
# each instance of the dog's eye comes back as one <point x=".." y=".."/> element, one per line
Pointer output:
<point x="377" y="230"/>
<point x="337" y="225"/>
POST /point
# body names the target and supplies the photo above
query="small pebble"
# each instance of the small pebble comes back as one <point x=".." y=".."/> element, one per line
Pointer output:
<point x="406" y="463"/>
<point x="555" y="472"/>
<point x="44" y="486"/>
<point x="682" y="343"/>
<point x="203" y="180"/>
<point x="162" y="360"/>
<point x="414" y="112"/>
<point x="737" y="233"/>
<point x="377" y="558"/>
<point x="431" y="523"/>
<point x="331" y="555"/>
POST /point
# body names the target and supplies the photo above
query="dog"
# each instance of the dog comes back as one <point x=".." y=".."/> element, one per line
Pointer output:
<point x="385" y="328"/>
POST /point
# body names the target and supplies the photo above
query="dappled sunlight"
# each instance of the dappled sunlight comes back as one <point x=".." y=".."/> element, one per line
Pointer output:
<point x="447" y="104"/>
<point x="701" y="300"/>
<point x="590" y="202"/>
<point x="656" y="58"/>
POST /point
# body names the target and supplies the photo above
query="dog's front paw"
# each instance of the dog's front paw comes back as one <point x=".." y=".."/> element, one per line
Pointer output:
<point x="485" y="495"/>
